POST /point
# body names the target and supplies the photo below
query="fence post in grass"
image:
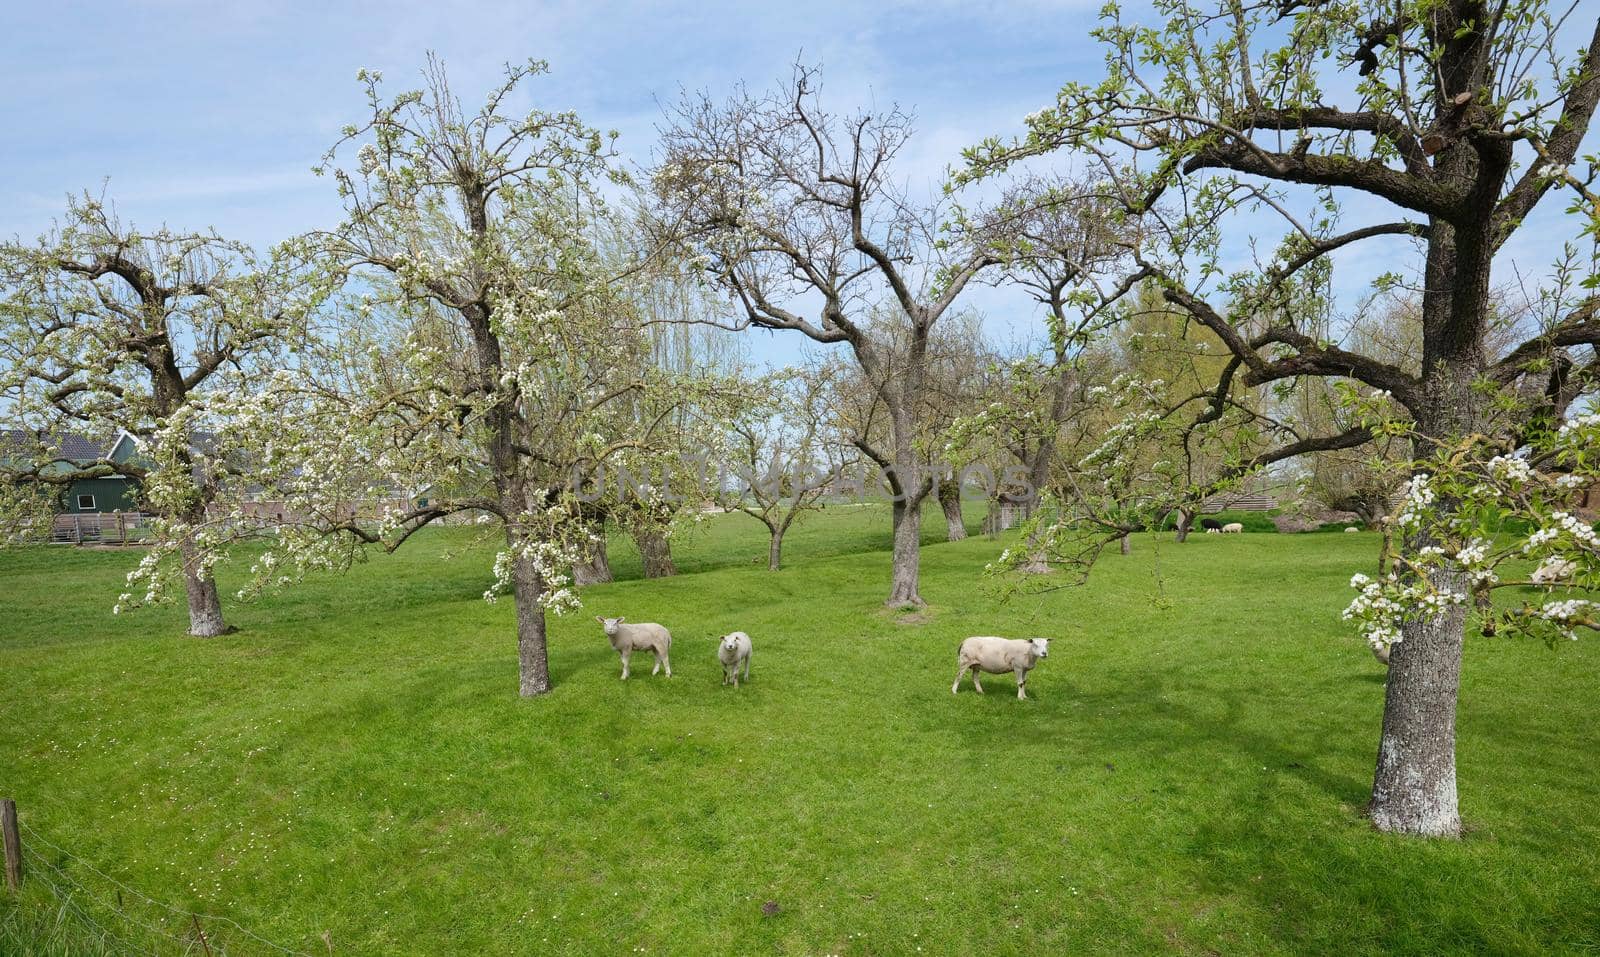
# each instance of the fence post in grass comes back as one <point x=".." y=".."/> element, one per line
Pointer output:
<point x="201" y="934"/>
<point x="13" y="843"/>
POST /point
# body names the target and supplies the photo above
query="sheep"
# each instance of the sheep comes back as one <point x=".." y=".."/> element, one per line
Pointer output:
<point x="1350" y="529"/>
<point x="1380" y="651"/>
<point x="1553" y="571"/>
<point x="1211" y="525"/>
<point x="997" y="656"/>
<point x="1232" y="528"/>
<point x="646" y="635"/>
<point x="732" y="651"/>
<point x="1213" y="531"/>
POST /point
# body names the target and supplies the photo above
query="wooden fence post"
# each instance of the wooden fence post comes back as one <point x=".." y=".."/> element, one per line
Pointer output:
<point x="13" y="843"/>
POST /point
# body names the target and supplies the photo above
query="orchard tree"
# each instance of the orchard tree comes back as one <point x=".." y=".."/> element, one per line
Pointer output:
<point x="794" y="212"/>
<point x="503" y="340"/>
<point x="1459" y="118"/>
<point x="108" y="330"/>
<point x="785" y="451"/>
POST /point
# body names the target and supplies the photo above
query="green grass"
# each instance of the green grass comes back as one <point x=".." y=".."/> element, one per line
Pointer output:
<point x="1189" y="779"/>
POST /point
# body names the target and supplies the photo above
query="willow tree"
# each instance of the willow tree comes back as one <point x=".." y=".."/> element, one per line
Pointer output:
<point x="148" y="336"/>
<point x="1458" y="118"/>
<point x="471" y="236"/>
<point x="795" y="214"/>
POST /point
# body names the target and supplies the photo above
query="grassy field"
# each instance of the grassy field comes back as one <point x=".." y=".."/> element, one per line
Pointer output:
<point x="1189" y="779"/>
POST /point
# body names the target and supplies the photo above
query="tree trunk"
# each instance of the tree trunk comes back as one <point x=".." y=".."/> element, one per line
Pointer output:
<point x="907" y="553"/>
<point x="656" y="550"/>
<point x="950" y="501"/>
<point x="1414" y="787"/>
<point x="1185" y="522"/>
<point x="593" y="566"/>
<point x="533" y="662"/>
<point x="1124" y="545"/>
<point x="991" y="518"/>
<point x="775" y="550"/>
<point x="205" y="606"/>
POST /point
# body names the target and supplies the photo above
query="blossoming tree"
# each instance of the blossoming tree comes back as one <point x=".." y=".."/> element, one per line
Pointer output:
<point x="1463" y="116"/>
<point x="112" y="331"/>
<point x="489" y="342"/>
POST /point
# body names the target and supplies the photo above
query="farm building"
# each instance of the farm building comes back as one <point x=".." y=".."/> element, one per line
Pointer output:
<point x="25" y="452"/>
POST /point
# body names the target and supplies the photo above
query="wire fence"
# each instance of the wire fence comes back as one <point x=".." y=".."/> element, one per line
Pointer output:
<point x="116" y="917"/>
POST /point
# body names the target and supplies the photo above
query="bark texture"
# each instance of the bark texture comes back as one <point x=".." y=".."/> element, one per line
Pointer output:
<point x="907" y="554"/>
<point x="656" y="551"/>
<point x="533" y="664"/>
<point x="205" y="606"/>
<point x="594" y="565"/>
<point x="950" y="501"/>
<point x="775" y="550"/>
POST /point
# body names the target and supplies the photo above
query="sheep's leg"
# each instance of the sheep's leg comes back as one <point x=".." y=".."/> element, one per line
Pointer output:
<point x="975" y="679"/>
<point x="657" y="669"/>
<point x="625" y="656"/>
<point x="961" y="672"/>
<point x="747" y="667"/>
<point x="666" y="663"/>
<point x="1022" y="684"/>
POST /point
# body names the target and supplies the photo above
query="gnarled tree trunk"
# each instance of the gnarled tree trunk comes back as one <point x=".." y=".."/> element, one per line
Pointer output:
<point x="593" y="566"/>
<point x="656" y="551"/>
<point x="950" y="501"/>
<point x="907" y="555"/>
<point x="205" y="606"/>
<point x="1185" y="522"/>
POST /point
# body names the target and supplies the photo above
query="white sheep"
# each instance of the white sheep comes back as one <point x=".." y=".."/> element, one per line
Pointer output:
<point x="1213" y="531"/>
<point x="1553" y="571"/>
<point x="997" y="656"/>
<point x="1232" y="528"/>
<point x="1380" y="651"/>
<point x="733" y="651"/>
<point x="646" y="635"/>
<point x="1351" y="528"/>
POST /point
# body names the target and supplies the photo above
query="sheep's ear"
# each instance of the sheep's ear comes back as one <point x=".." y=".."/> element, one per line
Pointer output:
<point x="599" y="619"/>
<point x="621" y="619"/>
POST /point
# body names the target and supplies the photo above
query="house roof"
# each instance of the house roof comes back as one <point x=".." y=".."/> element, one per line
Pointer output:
<point x="74" y="447"/>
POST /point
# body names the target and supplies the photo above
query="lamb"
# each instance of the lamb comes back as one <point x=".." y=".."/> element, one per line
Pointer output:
<point x="646" y="635"/>
<point x="997" y="656"/>
<point x="1352" y="528"/>
<point x="1211" y="525"/>
<point x="732" y="651"/>
<point x="1232" y="528"/>
<point x="1553" y="571"/>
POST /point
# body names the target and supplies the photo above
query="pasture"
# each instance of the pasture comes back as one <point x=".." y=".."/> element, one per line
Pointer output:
<point x="1188" y="777"/>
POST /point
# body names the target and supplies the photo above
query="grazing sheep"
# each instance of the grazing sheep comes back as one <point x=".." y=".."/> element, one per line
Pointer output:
<point x="1352" y="528"/>
<point x="1380" y="651"/>
<point x="646" y="635"/>
<point x="1232" y="528"/>
<point x="997" y="656"/>
<point x="1213" y="531"/>
<point x="733" y="651"/>
<point x="1211" y="525"/>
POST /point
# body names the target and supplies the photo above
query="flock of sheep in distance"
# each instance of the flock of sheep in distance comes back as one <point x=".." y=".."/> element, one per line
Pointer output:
<point x="982" y="653"/>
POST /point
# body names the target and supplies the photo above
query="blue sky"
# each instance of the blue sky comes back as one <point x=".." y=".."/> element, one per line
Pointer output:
<point x="211" y="114"/>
